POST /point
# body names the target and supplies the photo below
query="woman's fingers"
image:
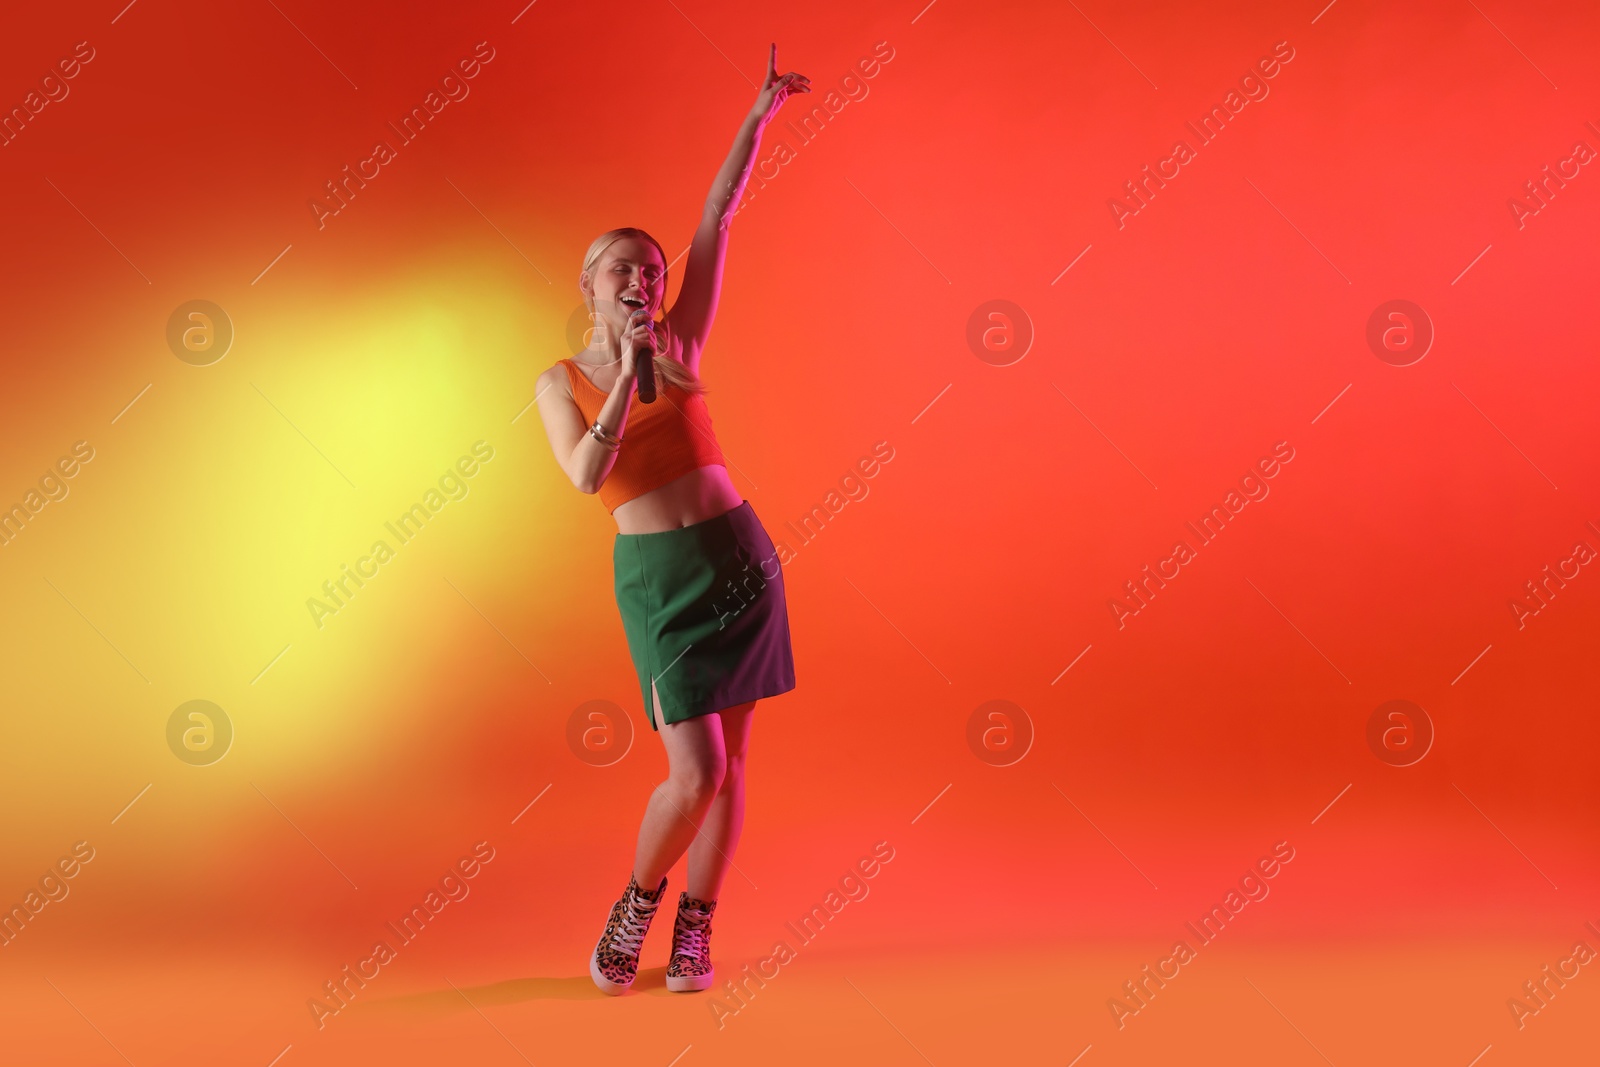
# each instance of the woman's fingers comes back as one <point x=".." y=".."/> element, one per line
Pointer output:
<point x="776" y="87"/>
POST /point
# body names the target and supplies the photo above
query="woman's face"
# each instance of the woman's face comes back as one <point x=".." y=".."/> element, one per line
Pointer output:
<point x="628" y="277"/>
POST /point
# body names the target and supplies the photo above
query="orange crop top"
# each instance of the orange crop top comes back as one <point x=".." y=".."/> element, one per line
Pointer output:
<point x="662" y="440"/>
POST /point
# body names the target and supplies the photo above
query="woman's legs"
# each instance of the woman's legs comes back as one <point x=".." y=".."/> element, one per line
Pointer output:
<point x="695" y="763"/>
<point x="712" y="849"/>
<point x="705" y="784"/>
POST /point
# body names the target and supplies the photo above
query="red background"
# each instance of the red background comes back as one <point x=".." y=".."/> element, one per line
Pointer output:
<point x="1224" y="317"/>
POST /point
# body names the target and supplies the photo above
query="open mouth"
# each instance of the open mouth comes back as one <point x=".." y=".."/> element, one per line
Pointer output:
<point x="632" y="302"/>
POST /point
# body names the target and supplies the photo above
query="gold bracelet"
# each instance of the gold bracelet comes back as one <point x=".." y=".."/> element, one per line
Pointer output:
<point x="604" y="436"/>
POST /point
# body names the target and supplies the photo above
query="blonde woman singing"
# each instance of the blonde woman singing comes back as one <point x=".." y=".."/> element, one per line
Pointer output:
<point x="697" y="579"/>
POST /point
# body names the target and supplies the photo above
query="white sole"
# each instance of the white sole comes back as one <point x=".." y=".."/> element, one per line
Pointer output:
<point x="607" y="986"/>
<point x="691" y="983"/>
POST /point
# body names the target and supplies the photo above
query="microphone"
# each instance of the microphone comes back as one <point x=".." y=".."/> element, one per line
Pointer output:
<point x="644" y="364"/>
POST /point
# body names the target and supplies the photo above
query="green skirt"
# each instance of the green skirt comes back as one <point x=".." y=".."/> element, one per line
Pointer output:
<point x="704" y="612"/>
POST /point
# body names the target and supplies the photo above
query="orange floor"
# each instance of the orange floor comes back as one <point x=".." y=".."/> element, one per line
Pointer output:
<point x="1349" y="1005"/>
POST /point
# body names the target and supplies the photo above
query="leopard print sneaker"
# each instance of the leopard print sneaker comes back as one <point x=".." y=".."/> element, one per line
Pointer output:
<point x="615" y="962"/>
<point x="691" y="968"/>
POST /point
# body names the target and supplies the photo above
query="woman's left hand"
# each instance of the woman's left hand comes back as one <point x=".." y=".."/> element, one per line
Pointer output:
<point x="775" y="89"/>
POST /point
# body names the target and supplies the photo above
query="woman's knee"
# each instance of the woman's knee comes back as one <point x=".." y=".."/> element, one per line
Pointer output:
<point x="732" y="771"/>
<point x="701" y="778"/>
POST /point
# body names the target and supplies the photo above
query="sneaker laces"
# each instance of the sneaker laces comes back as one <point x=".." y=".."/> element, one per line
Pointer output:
<point x="629" y="935"/>
<point x="693" y="932"/>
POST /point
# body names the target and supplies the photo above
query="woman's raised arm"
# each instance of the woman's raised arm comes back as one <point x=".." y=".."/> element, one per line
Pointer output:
<point x="691" y="315"/>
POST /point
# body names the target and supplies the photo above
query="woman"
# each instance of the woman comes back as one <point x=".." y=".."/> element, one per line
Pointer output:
<point x="697" y="579"/>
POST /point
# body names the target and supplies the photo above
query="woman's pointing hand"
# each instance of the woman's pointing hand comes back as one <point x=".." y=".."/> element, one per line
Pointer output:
<point x="776" y="89"/>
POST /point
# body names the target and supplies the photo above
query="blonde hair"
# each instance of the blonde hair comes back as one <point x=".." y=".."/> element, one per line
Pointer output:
<point x="670" y="370"/>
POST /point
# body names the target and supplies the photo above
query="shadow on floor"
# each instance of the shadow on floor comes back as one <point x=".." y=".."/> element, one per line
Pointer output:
<point x="652" y="981"/>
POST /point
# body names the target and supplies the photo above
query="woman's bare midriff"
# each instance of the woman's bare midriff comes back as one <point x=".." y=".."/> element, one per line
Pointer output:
<point x="703" y="493"/>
